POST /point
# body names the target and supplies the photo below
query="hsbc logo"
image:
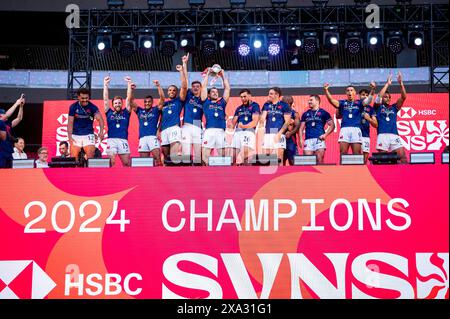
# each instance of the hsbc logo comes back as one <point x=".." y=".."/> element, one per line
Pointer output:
<point x="406" y="112"/>
<point x="63" y="119"/>
<point x="24" y="279"/>
<point x="409" y="112"/>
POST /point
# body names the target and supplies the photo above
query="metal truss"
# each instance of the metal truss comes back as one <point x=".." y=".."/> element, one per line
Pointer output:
<point x="345" y="17"/>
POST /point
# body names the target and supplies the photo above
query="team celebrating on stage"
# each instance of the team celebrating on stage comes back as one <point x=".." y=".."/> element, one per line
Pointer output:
<point x="193" y="122"/>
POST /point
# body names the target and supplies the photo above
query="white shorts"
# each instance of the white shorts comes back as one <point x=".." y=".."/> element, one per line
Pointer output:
<point x="214" y="138"/>
<point x="117" y="146"/>
<point x="365" y="144"/>
<point x="83" y="140"/>
<point x="244" y="139"/>
<point x="148" y="143"/>
<point x="191" y="134"/>
<point x="350" y="135"/>
<point x="388" y="142"/>
<point x="314" y="144"/>
<point x="171" y="135"/>
<point x="269" y="142"/>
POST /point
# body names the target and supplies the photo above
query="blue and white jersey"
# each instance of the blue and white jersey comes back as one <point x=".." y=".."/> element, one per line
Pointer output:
<point x="148" y="121"/>
<point x="387" y="118"/>
<point x="118" y="123"/>
<point x="315" y="121"/>
<point x="171" y="113"/>
<point x="83" y="118"/>
<point x="215" y="113"/>
<point x="365" y="125"/>
<point x="245" y="113"/>
<point x="351" y="113"/>
<point x="193" y="109"/>
<point x="275" y="116"/>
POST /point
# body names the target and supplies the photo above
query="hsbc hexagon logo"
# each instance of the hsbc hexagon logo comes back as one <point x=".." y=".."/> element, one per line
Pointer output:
<point x="24" y="279"/>
<point x="407" y="112"/>
<point x="63" y="119"/>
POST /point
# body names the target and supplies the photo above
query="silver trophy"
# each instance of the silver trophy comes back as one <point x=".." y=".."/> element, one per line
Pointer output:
<point x="214" y="72"/>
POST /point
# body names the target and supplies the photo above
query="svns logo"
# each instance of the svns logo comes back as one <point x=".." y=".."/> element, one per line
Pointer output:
<point x="24" y="279"/>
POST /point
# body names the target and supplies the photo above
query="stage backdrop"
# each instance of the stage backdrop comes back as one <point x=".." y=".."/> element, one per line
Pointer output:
<point x="422" y="123"/>
<point x="230" y="232"/>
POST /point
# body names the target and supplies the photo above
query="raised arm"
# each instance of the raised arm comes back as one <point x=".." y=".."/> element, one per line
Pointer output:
<point x="330" y="99"/>
<point x="204" y="94"/>
<point x="379" y="99"/>
<point x="184" y="85"/>
<point x="13" y="108"/>
<point x="226" y="85"/>
<point x="369" y="99"/>
<point x="402" y="97"/>
<point x="106" y="82"/>
<point x="162" y="98"/>
<point x="130" y="105"/>
<point x="184" y="76"/>
<point x="19" y="117"/>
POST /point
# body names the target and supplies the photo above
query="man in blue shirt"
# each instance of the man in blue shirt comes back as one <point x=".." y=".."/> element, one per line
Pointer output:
<point x="80" y="130"/>
<point x="245" y="120"/>
<point x="214" y="112"/>
<point x="368" y="118"/>
<point x="276" y="116"/>
<point x="351" y="110"/>
<point x="191" y="131"/>
<point x="291" y="132"/>
<point x="388" y="139"/>
<point x="171" y="110"/>
<point x="118" y="121"/>
<point x="148" y="118"/>
<point x="313" y="122"/>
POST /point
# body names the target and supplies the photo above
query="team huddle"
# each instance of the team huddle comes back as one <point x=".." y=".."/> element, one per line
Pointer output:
<point x="193" y="122"/>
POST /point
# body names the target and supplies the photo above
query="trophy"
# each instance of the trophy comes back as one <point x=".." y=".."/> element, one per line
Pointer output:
<point x="214" y="72"/>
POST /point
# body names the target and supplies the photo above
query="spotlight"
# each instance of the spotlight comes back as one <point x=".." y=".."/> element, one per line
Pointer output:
<point x="115" y="4"/>
<point x="257" y="44"/>
<point x="293" y="39"/>
<point x="274" y="44"/>
<point x="395" y="42"/>
<point x="353" y="42"/>
<point x="331" y="39"/>
<point x="258" y="40"/>
<point x="375" y="39"/>
<point x="244" y="48"/>
<point x="244" y="44"/>
<point x="187" y="40"/>
<point x="227" y="40"/>
<point x="103" y="41"/>
<point x="415" y="39"/>
<point x="146" y="41"/>
<point x="310" y="43"/>
<point x="168" y="45"/>
<point x="208" y="44"/>
<point x="127" y="45"/>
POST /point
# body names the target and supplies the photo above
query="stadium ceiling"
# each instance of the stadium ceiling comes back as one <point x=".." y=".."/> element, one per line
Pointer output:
<point x="60" y="5"/>
<point x="433" y="18"/>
